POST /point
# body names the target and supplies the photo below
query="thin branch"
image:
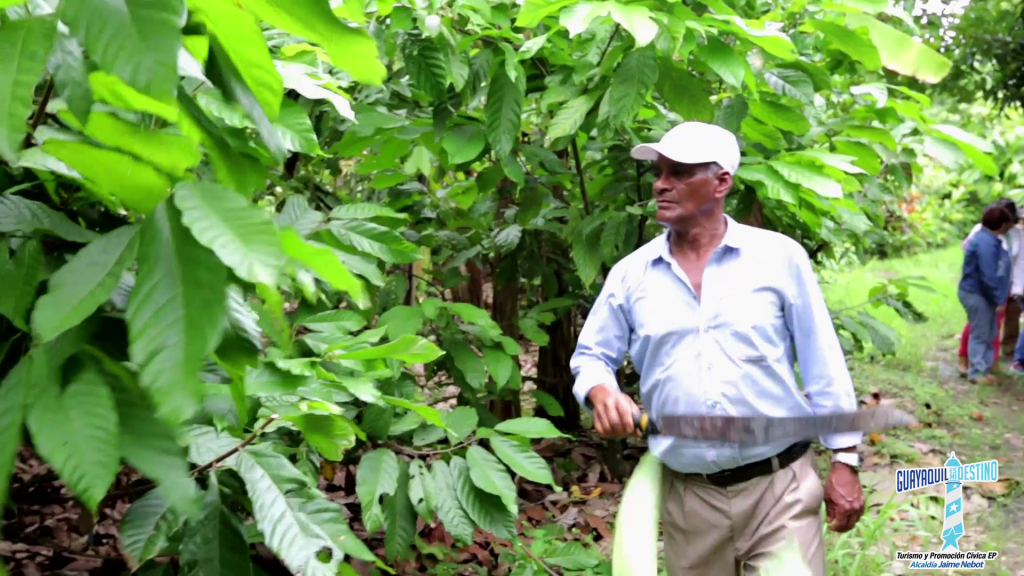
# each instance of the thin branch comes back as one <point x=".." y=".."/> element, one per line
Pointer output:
<point x="37" y="118"/>
<point x="433" y="284"/>
<point x="579" y="173"/>
<point x="252" y="437"/>
<point x="833" y="313"/>
<point x="537" y="560"/>
<point x="611" y="39"/>
<point x="411" y="452"/>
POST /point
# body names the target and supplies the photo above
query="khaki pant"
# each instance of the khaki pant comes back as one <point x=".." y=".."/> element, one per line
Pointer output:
<point x="728" y="531"/>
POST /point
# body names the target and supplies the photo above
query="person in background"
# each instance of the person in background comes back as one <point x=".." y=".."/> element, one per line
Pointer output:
<point x="1009" y="321"/>
<point x="984" y="288"/>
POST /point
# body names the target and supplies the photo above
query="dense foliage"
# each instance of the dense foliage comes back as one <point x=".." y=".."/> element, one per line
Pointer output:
<point x="245" y="240"/>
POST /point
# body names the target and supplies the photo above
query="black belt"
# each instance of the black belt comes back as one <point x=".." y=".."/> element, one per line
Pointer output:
<point x="732" y="476"/>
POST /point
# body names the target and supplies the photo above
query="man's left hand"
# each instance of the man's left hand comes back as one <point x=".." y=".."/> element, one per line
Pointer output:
<point x="844" y="497"/>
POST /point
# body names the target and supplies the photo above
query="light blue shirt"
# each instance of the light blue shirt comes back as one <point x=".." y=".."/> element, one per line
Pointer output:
<point x="731" y="352"/>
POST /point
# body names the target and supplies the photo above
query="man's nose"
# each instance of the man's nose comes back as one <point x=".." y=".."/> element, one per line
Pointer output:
<point x="661" y="187"/>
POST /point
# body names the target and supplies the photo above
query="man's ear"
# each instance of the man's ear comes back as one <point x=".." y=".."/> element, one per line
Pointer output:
<point x="723" y="183"/>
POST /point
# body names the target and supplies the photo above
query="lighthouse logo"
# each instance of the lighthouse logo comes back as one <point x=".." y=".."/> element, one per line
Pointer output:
<point x="953" y="474"/>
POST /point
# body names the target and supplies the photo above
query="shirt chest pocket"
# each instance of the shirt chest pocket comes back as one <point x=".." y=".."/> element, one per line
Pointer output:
<point x="751" y="325"/>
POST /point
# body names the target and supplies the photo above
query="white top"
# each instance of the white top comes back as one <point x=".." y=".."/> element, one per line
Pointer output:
<point x="1013" y="242"/>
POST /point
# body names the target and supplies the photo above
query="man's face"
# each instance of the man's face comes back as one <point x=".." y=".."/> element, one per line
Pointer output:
<point x="686" y="191"/>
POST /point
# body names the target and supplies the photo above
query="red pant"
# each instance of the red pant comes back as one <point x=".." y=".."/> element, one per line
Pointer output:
<point x="965" y="336"/>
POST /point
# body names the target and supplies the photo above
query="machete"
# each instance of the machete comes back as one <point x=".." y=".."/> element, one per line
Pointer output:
<point x="768" y="430"/>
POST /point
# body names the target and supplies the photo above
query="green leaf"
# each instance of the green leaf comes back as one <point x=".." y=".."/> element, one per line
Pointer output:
<point x="409" y="349"/>
<point x="422" y="492"/>
<point x="808" y="177"/>
<point x="399" y="517"/>
<point x="365" y="211"/>
<point x="76" y="432"/>
<point x="732" y="113"/>
<point x="376" y="476"/>
<point x="460" y="423"/>
<point x="297" y="214"/>
<point x="376" y="240"/>
<point x="506" y="239"/>
<point x="323" y="261"/>
<point x="25" y="44"/>
<point x="522" y="460"/>
<point x="769" y="183"/>
<point x="464" y="143"/>
<point x="467" y="361"/>
<point x="401" y="320"/>
<point x="578" y="17"/>
<point x="960" y="136"/>
<point x="637" y="20"/>
<point x="447" y="506"/>
<point x="502" y="112"/>
<point x="570" y="117"/>
<point x="780" y="116"/>
<point x="148" y="528"/>
<point x="721" y="58"/>
<point x="855" y="44"/>
<point x="548" y="403"/>
<point x="331" y="435"/>
<point x="295" y="78"/>
<point x="295" y="129"/>
<point x="136" y="42"/>
<point x="137" y="185"/>
<point x="241" y="172"/>
<point x="874" y="134"/>
<point x="150" y="445"/>
<point x="215" y="544"/>
<point x="175" y="312"/>
<point x="169" y="152"/>
<point x="427" y="68"/>
<point x="242" y="40"/>
<point x="335" y="322"/>
<point x="70" y="76"/>
<point x="791" y="83"/>
<point x="428" y="413"/>
<point x="79" y="287"/>
<point x="20" y="277"/>
<point x="499" y="364"/>
<point x="530" y="427"/>
<point x="684" y="93"/>
<point x="350" y="49"/>
<point x="287" y="510"/>
<point x="242" y="235"/>
<point x="633" y="80"/>
<point x="571" y="556"/>
<point x="485" y="509"/>
<point x="902" y="53"/>
<point x="112" y="90"/>
<point x="491" y="476"/>
<point x="13" y="389"/>
<point x="838" y="161"/>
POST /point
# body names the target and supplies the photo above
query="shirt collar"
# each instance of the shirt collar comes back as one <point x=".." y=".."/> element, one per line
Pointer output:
<point x="733" y="238"/>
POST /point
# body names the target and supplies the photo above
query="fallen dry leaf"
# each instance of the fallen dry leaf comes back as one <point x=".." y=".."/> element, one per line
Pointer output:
<point x="977" y="416"/>
<point x="599" y="525"/>
<point x="875" y="438"/>
<point x="535" y="513"/>
<point x="995" y="489"/>
<point x="576" y="493"/>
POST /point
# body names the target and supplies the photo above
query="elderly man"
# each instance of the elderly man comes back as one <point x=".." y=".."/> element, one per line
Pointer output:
<point x="713" y="314"/>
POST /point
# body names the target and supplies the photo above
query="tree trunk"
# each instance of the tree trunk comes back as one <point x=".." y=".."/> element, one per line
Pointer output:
<point x="554" y="376"/>
<point x="472" y="291"/>
<point x="505" y="311"/>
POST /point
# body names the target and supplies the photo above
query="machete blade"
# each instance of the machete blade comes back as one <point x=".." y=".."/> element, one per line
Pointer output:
<point x="768" y="430"/>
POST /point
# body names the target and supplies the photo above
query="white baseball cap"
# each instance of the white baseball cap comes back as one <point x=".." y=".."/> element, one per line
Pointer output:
<point x="694" y="143"/>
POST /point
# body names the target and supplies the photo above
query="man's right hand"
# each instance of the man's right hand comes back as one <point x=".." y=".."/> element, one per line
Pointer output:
<point x="613" y="412"/>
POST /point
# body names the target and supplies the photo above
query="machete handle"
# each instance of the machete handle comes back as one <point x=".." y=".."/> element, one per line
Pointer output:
<point x="641" y="421"/>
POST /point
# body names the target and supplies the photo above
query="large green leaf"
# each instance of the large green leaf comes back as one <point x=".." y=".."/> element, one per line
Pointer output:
<point x="467" y="361"/>
<point x="500" y="365"/>
<point x="330" y="434"/>
<point x="295" y="129"/>
<point x="902" y="53"/>
<point x="780" y="116"/>
<point x="326" y="264"/>
<point x="399" y="517"/>
<point x="487" y="510"/>
<point x="296" y="78"/>
<point x="409" y="349"/>
<point x="684" y="93"/>
<point x="464" y="143"/>
<point x="522" y="460"/>
<point x="175" y="313"/>
<point x="242" y="235"/>
<point x="20" y="276"/>
<point x="350" y="49"/>
<point x="148" y="528"/>
<point x="25" y="44"/>
<point x="633" y="80"/>
<point x="70" y="76"/>
<point x="447" y="506"/>
<point x="13" y="389"/>
<point x="503" y="112"/>
<point x="84" y="283"/>
<point x="171" y="153"/>
<point x="769" y="183"/>
<point x="136" y="41"/>
<point x="279" y="492"/>
<point x="376" y="240"/>
<point x="112" y="90"/>
<point x="855" y="44"/>
<point x="214" y="544"/>
<point x="427" y="67"/>
<point x="490" y="475"/>
<point x="637" y="20"/>
<point x="570" y="117"/>
<point x="422" y="493"/>
<point x="241" y="172"/>
<point x="721" y="58"/>
<point x="113" y="175"/>
<point x="529" y="427"/>
<point x="376" y="476"/>
<point x="240" y="36"/>
<point x="809" y="177"/>
<point x="76" y="431"/>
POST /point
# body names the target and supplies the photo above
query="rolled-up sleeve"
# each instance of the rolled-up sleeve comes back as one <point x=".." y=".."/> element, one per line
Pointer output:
<point x="825" y="376"/>
<point x="604" y="339"/>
